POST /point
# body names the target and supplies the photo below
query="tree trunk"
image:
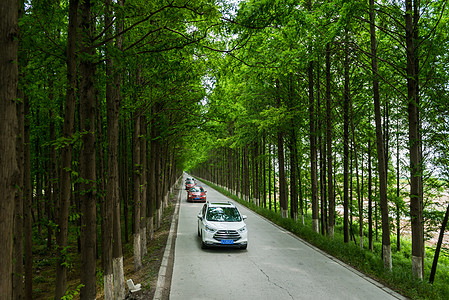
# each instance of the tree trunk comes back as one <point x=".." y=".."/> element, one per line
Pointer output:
<point x="370" y="200"/>
<point x="158" y="186"/>
<point x="112" y="192"/>
<point x="264" y="172"/>
<point x="282" y="180"/>
<point x="322" y="162"/>
<point x="359" y="196"/>
<point x="346" y="148"/>
<point x="87" y="155"/>
<point x="18" y="203"/>
<point x="322" y="154"/>
<point x="65" y="188"/>
<point x="438" y="249"/>
<point x="313" y="153"/>
<point x="117" y="253"/>
<point x="300" y="195"/>
<point x="124" y="175"/>
<point x="53" y="178"/>
<point x="398" y="208"/>
<point x="416" y="213"/>
<point x="27" y="205"/>
<point x="100" y="171"/>
<point x="293" y="155"/>
<point x="153" y="177"/>
<point x="293" y="177"/>
<point x="9" y="172"/>
<point x="246" y="170"/>
<point x="274" y="180"/>
<point x="330" y="180"/>
<point x="18" y="269"/>
<point x="38" y="175"/>
<point x="269" y="176"/>
<point x="143" y="186"/>
<point x="253" y="174"/>
<point x="27" y="190"/>
<point x="386" y="245"/>
<point x="136" y="187"/>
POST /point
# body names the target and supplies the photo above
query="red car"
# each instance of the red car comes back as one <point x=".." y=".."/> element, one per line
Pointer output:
<point x="196" y="193"/>
<point x="190" y="184"/>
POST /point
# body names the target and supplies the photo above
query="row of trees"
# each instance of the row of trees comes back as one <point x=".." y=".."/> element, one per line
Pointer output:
<point x="335" y="105"/>
<point x="98" y="99"/>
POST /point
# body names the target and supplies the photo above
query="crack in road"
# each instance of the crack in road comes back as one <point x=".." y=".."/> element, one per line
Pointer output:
<point x="269" y="279"/>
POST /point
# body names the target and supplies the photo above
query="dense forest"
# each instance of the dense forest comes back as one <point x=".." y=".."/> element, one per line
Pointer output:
<point x="333" y="114"/>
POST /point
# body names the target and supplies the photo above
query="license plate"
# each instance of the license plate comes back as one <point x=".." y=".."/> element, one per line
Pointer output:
<point x="197" y="198"/>
<point x="227" y="242"/>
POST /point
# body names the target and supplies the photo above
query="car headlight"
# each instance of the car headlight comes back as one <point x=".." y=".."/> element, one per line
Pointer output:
<point x="209" y="229"/>
<point x="243" y="229"/>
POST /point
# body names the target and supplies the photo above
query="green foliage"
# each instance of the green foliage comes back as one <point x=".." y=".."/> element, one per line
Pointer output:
<point x="71" y="294"/>
<point x="213" y="75"/>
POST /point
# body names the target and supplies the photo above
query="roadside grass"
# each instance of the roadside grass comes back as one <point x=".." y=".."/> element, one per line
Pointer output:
<point x="400" y="279"/>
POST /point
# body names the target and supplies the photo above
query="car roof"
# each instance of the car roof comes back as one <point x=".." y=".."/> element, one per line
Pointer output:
<point x="197" y="187"/>
<point x="221" y="204"/>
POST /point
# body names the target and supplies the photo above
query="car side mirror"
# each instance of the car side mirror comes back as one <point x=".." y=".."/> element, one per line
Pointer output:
<point x="200" y="217"/>
<point x="244" y="217"/>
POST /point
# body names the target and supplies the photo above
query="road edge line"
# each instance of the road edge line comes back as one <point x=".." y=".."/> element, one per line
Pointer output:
<point x="158" y="294"/>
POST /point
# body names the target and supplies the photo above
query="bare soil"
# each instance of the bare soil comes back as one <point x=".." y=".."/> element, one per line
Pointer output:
<point x="147" y="276"/>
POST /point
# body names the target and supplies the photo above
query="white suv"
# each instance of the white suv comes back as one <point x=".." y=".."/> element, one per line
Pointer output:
<point x="221" y="224"/>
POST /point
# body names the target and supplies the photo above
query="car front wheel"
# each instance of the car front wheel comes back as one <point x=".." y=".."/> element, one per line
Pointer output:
<point x="203" y="244"/>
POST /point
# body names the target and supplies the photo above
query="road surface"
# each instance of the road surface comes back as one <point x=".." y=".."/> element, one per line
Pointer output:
<point x="276" y="265"/>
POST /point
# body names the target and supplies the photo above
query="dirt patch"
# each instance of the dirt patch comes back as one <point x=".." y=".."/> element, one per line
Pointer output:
<point x="148" y="275"/>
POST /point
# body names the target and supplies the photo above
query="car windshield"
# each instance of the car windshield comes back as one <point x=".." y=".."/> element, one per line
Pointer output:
<point x="189" y="182"/>
<point x="196" y="189"/>
<point x="223" y="214"/>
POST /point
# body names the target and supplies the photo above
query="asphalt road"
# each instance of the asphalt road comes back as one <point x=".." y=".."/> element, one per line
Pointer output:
<point x="276" y="265"/>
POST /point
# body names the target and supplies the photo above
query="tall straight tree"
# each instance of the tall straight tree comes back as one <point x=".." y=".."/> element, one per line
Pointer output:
<point x="359" y="196"/>
<point x="293" y="154"/>
<point x="65" y="188"/>
<point x="27" y="205"/>
<point x="416" y="205"/>
<point x="143" y="186"/>
<point x="117" y="253"/>
<point x="346" y="102"/>
<point x="282" y="180"/>
<point x="370" y="199"/>
<point x="19" y="204"/>
<point x="9" y="171"/>
<point x="19" y="200"/>
<point x="112" y="191"/>
<point x="386" y="245"/>
<point x="87" y="155"/>
<point x="136" y="192"/>
<point x="330" y="180"/>
<point x="313" y="146"/>
<point x="152" y="180"/>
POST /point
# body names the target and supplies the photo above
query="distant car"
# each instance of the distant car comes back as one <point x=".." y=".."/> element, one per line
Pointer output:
<point x="196" y="193"/>
<point x="190" y="184"/>
<point x="221" y="224"/>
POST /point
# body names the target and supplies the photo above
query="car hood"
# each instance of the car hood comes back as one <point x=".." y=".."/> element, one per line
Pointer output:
<point x="226" y="225"/>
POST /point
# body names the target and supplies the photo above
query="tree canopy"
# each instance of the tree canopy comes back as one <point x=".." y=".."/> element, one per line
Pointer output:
<point x="331" y="113"/>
